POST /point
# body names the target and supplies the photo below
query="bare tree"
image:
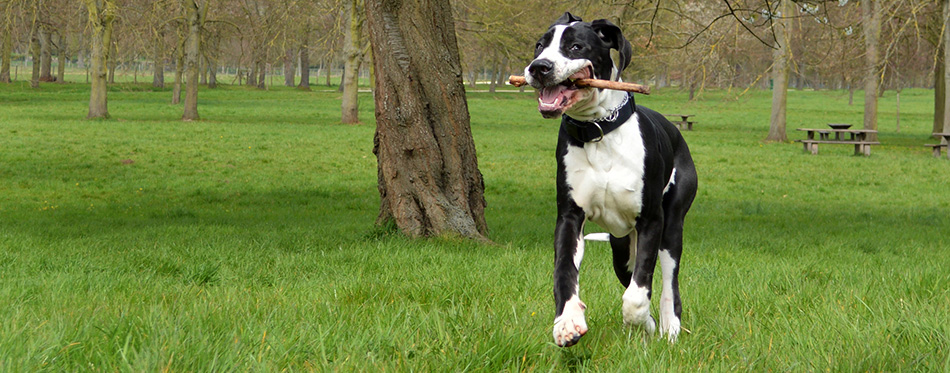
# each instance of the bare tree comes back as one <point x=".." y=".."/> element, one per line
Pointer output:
<point x="945" y="64"/>
<point x="195" y="12"/>
<point x="871" y="14"/>
<point x="290" y="57"/>
<point x="304" y="63"/>
<point x="353" y="51"/>
<point x="101" y="15"/>
<point x="429" y="181"/>
<point x="780" y="58"/>
<point x="9" y="8"/>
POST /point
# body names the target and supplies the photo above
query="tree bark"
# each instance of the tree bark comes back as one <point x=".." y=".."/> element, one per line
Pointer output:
<point x="112" y="62"/>
<point x="261" y="75"/>
<point x="212" y="72"/>
<point x="940" y="88"/>
<point x="6" y="43"/>
<point x="158" y="67"/>
<point x="35" y="51"/>
<point x="46" y="54"/>
<point x="194" y="15"/>
<point x="101" y="15"/>
<point x="780" y="67"/>
<point x="179" y="73"/>
<point x="252" y="77"/>
<point x="353" y="52"/>
<point x="304" y="65"/>
<point x="5" y="51"/>
<point x="289" y="68"/>
<point x="62" y="58"/>
<point x="945" y="38"/>
<point x="429" y="182"/>
<point x="871" y="13"/>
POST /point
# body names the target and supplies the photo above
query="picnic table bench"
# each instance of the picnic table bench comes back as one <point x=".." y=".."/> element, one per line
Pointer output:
<point x="684" y="122"/>
<point x="942" y="144"/>
<point x="858" y="138"/>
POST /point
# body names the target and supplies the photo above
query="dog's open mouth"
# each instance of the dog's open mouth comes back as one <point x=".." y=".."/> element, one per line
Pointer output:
<point x="554" y="100"/>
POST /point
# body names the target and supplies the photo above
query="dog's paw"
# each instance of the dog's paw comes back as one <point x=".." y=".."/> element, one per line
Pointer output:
<point x="570" y="326"/>
<point x="669" y="323"/>
<point x="670" y="328"/>
<point x="636" y="309"/>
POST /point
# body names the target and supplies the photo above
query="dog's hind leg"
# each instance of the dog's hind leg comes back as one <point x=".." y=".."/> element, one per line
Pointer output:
<point x="569" y="321"/>
<point x="676" y="203"/>
<point x="670" y="305"/>
<point x="636" y="299"/>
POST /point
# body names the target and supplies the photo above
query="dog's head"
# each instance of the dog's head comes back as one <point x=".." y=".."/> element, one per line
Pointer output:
<point x="572" y="49"/>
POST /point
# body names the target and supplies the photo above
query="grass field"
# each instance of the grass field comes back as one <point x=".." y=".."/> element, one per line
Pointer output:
<point x="245" y="242"/>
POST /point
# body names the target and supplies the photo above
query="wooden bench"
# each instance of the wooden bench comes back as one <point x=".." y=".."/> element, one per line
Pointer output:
<point x="936" y="148"/>
<point x="860" y="147"/>
<point x="684" y="123"/>
<point x="944" y="139"/>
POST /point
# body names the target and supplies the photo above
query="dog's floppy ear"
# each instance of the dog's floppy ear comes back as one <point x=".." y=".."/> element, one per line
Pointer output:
<point x="613" y="37"/>
<point x="567" y="19"/>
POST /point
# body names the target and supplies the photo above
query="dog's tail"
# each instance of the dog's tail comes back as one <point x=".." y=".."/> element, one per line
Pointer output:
<point x="603" y="237"/>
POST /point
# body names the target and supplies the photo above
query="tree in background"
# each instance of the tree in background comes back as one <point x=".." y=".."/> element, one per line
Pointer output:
<point x="871" y="13"/>
<point x="945" y="43"/>
<point x="353" y="53"/>
<point x="195" y="13"/>
<point x="8" y="18"/>
<point x="429" y="182"/>
<point x="101" y="15"/>
<point x="780" y="57"/>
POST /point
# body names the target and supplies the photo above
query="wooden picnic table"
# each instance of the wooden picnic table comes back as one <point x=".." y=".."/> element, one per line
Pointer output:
<point x="857" y="137"/>
<point x="684" y="122"/>
<point x="942" y="144"/>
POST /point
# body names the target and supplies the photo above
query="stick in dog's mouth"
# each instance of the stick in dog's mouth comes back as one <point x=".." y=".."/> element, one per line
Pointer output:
<point x="519" y="81"/>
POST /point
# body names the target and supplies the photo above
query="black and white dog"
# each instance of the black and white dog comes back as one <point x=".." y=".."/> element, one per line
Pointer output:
<point x="622" y="166"/>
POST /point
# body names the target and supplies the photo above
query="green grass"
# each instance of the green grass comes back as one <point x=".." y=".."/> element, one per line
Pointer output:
<point x="246" y="241"/>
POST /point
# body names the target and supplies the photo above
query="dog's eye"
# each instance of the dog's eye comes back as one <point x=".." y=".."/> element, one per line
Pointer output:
<point x="538" y="47"/>
<point x="575" y="47"/>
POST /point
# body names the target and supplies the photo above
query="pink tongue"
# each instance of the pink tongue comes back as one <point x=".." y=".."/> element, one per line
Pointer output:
<point x="551" y="97"/>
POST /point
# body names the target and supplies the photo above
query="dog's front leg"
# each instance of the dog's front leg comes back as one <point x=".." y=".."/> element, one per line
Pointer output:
<point x="569" y="322"/>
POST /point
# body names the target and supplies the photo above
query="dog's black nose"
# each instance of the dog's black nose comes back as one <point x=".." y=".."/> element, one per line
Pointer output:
<point x="540" y="68"/>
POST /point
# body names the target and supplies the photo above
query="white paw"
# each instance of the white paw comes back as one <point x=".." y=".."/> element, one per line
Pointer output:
<point x="636" y="309"/>
<point x="571" y="325"/>
<point x="669" y="323"/>
<point x="670" y="328"/>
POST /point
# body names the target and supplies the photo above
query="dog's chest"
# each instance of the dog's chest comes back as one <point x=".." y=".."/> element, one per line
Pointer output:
<point x="606" y="178"/>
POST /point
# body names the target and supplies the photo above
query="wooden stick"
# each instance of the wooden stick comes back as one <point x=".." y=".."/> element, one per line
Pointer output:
<point x="519" y="81"/>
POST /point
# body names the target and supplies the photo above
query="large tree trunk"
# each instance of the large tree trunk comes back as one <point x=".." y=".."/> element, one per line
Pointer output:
<point x="780" y="66"/>
<point x="101" y="15"/>
<point x="62" y="58"/>
<point x="46" y="54"/>
<point x="429" y="182"/>
<point x="871" y="13"/>
<point x="192" y="54"/>
<point x="289" y="58"/>
<point x="353" y="51"/>
<point x="304" y="65"/>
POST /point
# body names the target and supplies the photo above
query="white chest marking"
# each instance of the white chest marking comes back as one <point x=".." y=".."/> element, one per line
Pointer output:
<point x="606" y="178"/>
